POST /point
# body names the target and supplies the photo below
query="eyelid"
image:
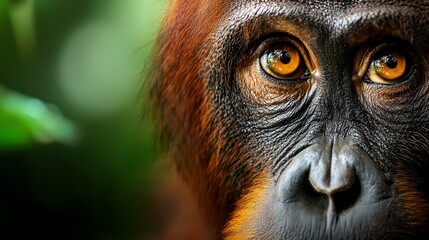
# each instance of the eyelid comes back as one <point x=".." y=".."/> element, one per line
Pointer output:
<point x="366" y="57"/>
<point x="286" y="39"/>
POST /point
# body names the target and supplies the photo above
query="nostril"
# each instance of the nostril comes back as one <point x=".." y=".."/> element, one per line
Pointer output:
<point x="342" y="198"/>
<point x="342" y="186"/>
<point x="329" y="180"/>
<point x="336" y="181"/>
<point x="313" y="199"/>
<point x="346" y="199"/>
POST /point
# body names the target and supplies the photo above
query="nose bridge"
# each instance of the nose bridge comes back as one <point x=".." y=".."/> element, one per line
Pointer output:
<point x="333" y="171"/>
<point x="336" y="89"/>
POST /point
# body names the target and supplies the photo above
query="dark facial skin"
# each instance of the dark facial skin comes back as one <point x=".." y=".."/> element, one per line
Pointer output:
<point x="332" y="153"/>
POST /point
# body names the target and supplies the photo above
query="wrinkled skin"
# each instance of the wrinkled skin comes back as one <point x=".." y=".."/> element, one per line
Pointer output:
<point x="334" y="155"/>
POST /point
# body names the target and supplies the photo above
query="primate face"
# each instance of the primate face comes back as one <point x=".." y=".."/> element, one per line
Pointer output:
<point x="309" y="118"/>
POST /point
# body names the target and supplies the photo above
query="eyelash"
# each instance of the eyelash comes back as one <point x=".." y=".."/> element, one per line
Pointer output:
<point x="363" y="68"/>
<point x="371" y="53"/>
<point x="277" y="39"/>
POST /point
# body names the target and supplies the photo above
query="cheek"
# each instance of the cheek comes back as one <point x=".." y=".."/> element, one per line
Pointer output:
<point x="412" y="200"/>
<point x="249" y="215"/>
<point x="395" y="98"/>
<point x="263" y="92"/>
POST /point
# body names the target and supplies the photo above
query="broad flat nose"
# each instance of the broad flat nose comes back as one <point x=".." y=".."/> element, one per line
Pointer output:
<point x="332" y="173"/>
<point x="326" y="179"/>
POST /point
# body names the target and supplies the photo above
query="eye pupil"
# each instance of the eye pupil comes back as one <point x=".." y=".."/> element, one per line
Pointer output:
<point x="389" y="67"/>
<point x="284" y="57"/>
<point x="283" y="61"/>
<point x="391" y="62"/>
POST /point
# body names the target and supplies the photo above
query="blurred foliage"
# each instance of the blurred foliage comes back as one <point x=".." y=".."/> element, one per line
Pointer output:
<point x="76" y="158"/>
<point x="24" y="120"/>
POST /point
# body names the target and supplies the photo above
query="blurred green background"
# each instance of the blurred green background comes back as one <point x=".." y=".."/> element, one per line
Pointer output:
<point x="76" y="157"/>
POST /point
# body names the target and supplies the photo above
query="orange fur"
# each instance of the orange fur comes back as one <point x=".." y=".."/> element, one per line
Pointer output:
<point x="414" y="204"/>
<point x="240" y="225"/>
<point x="184" y="112"/>
<point x="175" y="210"/>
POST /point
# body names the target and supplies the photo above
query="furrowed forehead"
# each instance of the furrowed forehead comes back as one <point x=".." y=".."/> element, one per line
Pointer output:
<point x="332" y="7"/>
<point x="342" y="2"/>
<point x="338" y="4"/>
<point x="339" y="18"/>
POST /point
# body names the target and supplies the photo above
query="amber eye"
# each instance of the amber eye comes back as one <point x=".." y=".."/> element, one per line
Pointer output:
<point x="390" y="67"/>
<point x="283" y="62"/>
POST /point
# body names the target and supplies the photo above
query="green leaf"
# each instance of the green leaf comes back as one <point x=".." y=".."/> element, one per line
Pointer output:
<point x="25" y="120"/>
